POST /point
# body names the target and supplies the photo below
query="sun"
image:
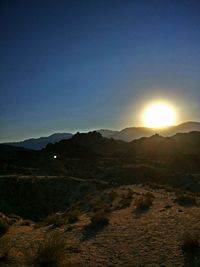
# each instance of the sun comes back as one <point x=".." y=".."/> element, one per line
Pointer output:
<point x="159" y="114"/>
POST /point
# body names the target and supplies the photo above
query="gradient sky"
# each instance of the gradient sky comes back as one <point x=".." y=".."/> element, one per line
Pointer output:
<point x="79" y="65"/>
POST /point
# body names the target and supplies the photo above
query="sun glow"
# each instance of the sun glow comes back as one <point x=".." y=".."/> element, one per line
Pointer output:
<point x="159" y="115"/>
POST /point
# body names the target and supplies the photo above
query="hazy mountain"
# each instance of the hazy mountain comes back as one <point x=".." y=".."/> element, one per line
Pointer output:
<point x="91" y="155"/>
<point x="107" y="133"/>
<point x="39" y="143"/>
<point x="129" y="134"/>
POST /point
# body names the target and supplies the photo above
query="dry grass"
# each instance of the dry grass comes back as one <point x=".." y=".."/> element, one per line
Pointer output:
<point x="99" y="218"/>
<point x="144" y="202"/>
<point x="50" y="251"/>
<point x="190" y="243"/>
<point x="3" y="227"/>
<point x="73" y="216"/>
<point x="25" y="223"/>
<point x="99" y="205"/>
<point x="5" y="247"/>
<point x="185" y="199"/>
<point x="54" y="219"/>
<point x="129" y="194"/>
<point x="91" y="241"/>
<point x="112" y="195"/>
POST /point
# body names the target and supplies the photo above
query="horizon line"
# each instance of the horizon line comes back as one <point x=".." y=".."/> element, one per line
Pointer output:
<point x="90" y="130"/>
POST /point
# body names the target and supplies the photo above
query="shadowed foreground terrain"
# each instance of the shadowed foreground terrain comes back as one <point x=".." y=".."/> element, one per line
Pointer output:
<point x="131" y="235"/>
<point x="101" y="202"/>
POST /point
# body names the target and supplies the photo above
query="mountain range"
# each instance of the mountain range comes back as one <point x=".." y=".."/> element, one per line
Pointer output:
<point x="41" y="142"/>
<point x="91" y="155"/>
<point x="131" y="133"/>
<point x="126" y="134"/>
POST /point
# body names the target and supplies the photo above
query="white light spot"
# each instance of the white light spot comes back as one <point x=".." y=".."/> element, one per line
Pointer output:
<point x="55" y="156"/>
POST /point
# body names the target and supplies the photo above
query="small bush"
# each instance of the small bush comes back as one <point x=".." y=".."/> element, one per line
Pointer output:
<point x="190" y="243"/>
<point x="100" y="204"/>
<point x="123" y="203"/>
<point x="26" y="222"/>
<point x="73" y="216"/>
<point x="50" y="251"/>
<point x="112" y="195"/>
<point x="39" y="224"/>
<point x="54" y="219"/>
<point x="129" y="194"/>
<point x="5" y="247"/>
<point x="3" y="227"/>
<point x="144" y="202"/>
<point x="13" y="218"/>
<point x="100" y="218"/>
<point x="186" y="200"/>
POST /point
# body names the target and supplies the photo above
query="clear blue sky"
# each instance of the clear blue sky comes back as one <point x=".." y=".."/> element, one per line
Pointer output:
<point x="79" y="65"/>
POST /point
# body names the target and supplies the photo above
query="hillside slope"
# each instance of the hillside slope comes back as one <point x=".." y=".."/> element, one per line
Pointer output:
<point x="132" y="237"/>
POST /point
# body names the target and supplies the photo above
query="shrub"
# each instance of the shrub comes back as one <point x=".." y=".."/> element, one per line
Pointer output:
<point x="190" y="243"/>
<point x="184" y="199"/>
<point x="3" y="227"/>
<point x="54" y="219"/>
<point x="26" y="222"/>
<point x="124" y="203"/>
<point x="50" y="251"/>
<point x="100" y="204"/>
<point x="73" y="216"/>
<point x="13" y="218"/>
<point x="99" y="218"/>
<point x="144" y="202"/>
<point x="112" y="195"/>
<point x="39" y="224"/>
<point x="5" y="247"/>
<point x="129" y="194"/>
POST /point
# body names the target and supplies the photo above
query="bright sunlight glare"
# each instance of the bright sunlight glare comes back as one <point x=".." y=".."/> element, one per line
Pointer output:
<point x="158" y="115"/>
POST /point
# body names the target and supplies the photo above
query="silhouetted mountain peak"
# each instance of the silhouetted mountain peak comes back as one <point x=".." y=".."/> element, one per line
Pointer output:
<point x="86" y="139"/>
<point x="158" y="136"/>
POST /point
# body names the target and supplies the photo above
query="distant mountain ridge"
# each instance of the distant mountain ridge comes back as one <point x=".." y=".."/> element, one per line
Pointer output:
<point x="127" y="134"/>
<point x="180" y="143"/>
<point x="41" y="142"/>
<point x="91" y="151"/>
<point x="132" y="133"/>
<point x="90" y="154"/>
<point x="107" y="133"/>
